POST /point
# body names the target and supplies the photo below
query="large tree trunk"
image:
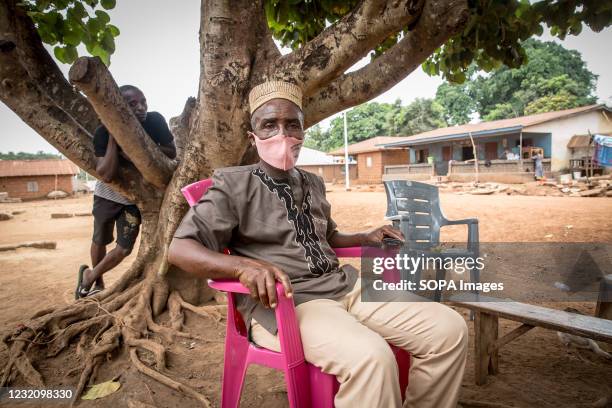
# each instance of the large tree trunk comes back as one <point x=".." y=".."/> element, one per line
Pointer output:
<point x="237" y="52"/>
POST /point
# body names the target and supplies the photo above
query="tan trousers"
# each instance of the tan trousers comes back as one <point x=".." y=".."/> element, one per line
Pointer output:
<point x="348" y="338"/>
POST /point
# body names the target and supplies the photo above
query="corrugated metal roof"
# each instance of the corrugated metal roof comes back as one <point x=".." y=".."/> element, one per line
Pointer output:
<point x="312" y="157"/>
<point x="17" y="168"/>
<point x="369" y="145"/>
<point x="578" y="141"/>
<point x="491" y="127"/>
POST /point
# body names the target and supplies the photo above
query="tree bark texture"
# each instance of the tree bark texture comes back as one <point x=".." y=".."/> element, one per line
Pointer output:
<point x="237" y="52"/>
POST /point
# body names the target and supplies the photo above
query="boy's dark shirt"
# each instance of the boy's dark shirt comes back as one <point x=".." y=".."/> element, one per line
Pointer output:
<point x="154" y="125"/>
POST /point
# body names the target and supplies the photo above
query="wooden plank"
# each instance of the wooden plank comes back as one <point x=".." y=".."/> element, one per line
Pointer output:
<point x="519" y="331"/>
<point x="603" y="310"/>
<point x="485" y="362"/>
<point x="580" y="325"/>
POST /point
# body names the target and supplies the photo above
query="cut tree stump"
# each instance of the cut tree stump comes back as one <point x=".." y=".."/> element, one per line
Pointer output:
<point x="5" y="216"/>
<point x="591" y="193"/>
<point x="61" y="215"/>
<point x="37" y="244"/>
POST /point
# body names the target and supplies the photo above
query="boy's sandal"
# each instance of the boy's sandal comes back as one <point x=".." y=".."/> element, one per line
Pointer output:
<point x="80" y="292"/>
<point x="94" y="291"/>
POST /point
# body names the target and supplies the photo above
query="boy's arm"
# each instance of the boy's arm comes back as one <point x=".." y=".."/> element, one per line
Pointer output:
<point x="169" y="150"/>
<point x="165" y="139"/>
<point x="107" y="165"/>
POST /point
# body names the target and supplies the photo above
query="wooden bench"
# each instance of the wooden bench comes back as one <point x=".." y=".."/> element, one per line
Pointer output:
<point x="488" y="310"/>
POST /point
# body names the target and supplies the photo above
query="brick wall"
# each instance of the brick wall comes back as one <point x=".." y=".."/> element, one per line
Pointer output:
<point x="373" y="174"/>
<point x="17" y="187"/>
<point x="332" y="173"/>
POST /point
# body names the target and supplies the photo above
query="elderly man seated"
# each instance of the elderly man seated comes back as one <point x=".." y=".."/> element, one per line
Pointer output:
<point x="276" y="221"/>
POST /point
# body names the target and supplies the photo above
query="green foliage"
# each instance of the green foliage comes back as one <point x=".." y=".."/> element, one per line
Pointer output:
<point x="65" y="24"/>
<point x="558" y="101"/>
<point x="315" y="137"/>
<point x="419" y="116"/>
<point x="295" y="22"/>
<point x="378" y="119"/>
<point x="493" y="35"/>
<point x="456" y="103"/>
<point x="363" y="122"/>
<point x="40" y="155"/>
<point x="496" y="30"/>
<point x="551" y="71"/>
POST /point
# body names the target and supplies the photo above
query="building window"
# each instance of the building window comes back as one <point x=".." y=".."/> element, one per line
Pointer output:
<point x="421" y="155"/>
<point x="369" y="161"/>
<point x="32" y="186"/>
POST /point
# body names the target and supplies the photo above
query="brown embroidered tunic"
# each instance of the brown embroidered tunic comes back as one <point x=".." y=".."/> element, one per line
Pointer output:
<point x="256" y="216"/>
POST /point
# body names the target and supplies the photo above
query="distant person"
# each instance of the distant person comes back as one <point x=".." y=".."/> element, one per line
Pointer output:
<point x="538" y="167"/>
<point x="110" y="209"/>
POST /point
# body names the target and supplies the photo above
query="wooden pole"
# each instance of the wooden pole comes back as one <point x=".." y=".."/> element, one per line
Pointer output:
<point x="520" y="151"/>
<point x="475" y="157"/>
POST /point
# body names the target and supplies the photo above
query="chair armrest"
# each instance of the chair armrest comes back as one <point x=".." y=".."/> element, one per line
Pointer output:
<point x="286" y="320"/>
<point x="228" y="285"/>
<point x="398" y="217"/>
<point x="461" y="222"/>
<point x="349" y="252"/>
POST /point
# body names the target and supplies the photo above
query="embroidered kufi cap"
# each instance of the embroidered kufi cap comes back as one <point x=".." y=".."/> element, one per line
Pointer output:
<point x="262" y="93"/>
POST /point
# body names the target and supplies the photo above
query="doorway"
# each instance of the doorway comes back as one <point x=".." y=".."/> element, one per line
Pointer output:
<point x="490" y="150"/>
<point x="447" y="153"/>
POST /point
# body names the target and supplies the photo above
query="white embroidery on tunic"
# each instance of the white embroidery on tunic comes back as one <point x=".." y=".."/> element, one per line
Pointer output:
<point x="302" y="222"/>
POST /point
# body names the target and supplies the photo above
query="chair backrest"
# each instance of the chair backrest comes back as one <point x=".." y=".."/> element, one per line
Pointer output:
<point x="194" y="191"/>
<point x="419" y="206"/>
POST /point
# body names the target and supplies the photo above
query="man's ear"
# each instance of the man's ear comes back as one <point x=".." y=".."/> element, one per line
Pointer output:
<point x="251" y="137"/>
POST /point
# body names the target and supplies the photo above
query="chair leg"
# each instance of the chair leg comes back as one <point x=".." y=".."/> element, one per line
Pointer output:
<point x="234" y="371"/>
<point x="440" y="275"/>
<point x="298" y="386"/>
<point x="475" y="278"/>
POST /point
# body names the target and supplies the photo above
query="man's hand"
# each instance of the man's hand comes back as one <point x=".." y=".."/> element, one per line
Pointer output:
<point x="375" y="236"/>
<point x="260" y="278"/>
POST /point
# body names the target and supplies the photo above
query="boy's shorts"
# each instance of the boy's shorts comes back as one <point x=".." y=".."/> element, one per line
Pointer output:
<point x="106" y="214"/>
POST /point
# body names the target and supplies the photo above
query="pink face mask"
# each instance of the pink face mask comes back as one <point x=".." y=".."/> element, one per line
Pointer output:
<point x="277" y="150"/>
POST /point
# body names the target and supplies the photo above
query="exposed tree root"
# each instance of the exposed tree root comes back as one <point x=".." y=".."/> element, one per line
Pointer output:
<point x="215" y="312"/>
<point x="29" y="373"/>
<point x="109" y="342"/>
<point x="121" y="315"/>
<point x="175" y="385"/>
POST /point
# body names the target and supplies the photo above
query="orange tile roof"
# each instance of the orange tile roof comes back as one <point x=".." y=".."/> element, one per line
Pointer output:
<point x="16" y="168"/>
<point x="522" y="121"/>
<point x="368" y="145"/>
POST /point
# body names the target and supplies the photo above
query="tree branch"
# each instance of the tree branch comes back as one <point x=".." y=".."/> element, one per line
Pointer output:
<point x="18" y="28"/>
<point x="180" y="125"/>
<point x="24" y="97"/>
<point x="93" y="78"/>
<point x="438" y="22"/>
<point x="348" y="40"/>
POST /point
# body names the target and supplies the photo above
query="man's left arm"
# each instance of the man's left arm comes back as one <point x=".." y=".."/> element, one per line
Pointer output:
<point x="373" y="237"/>
<point x="337" y="239"/>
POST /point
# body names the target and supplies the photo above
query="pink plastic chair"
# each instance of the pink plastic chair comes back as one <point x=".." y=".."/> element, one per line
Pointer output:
<point x="307" y="385"/>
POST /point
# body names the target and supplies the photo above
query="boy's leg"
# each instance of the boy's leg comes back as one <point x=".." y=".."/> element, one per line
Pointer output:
<point x="435" y="335"/>
<point x="128" y="225"/>
<point x="334" y="340"/>
<point x="97" y="252"/>
<point x="105" y="213"/>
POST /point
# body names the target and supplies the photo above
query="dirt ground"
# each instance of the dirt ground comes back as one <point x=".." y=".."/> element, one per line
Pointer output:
<point x="535" y="369"/>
